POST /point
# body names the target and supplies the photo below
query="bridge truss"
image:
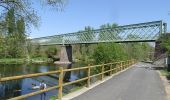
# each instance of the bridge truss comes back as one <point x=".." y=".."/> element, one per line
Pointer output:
<point x="142" y="32"/>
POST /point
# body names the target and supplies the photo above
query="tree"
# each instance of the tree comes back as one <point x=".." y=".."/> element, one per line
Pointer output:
<point x="105" y="53"/>
<point x="51" y="51"/>
<point x="23" y="8"/>
<point x="14" y="35"/>
<point x="165" y="41"/>
<point x="20" y="24"/>
<point x="86" y="36"/>
<point x="17" y="16"/>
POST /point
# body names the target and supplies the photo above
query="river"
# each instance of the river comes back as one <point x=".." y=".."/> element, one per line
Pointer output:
<point x="23" y="86"/>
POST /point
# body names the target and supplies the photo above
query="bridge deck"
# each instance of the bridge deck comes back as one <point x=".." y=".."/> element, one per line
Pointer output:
<point x="137" y="83"/>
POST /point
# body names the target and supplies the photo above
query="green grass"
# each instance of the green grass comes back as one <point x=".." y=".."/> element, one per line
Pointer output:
<point x="23" y="60"/>
<point x="12" y="61"/>
<point x="164" y="72"/>
<point x="72" y="90"/>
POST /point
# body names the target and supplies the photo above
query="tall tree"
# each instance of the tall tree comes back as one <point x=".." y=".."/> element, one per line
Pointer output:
<point x="20" y="24"/>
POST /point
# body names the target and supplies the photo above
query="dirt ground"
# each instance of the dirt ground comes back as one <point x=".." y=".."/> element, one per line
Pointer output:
<point x="166" y="84"/>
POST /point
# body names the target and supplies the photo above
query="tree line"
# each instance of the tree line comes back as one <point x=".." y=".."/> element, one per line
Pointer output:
<point x="16" y="18"/>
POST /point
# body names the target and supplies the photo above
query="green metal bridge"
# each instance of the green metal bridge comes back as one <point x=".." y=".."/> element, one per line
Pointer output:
<point x="142" y="32"/>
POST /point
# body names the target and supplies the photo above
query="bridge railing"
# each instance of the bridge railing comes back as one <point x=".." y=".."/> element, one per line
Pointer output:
<point x="113" y="68"/>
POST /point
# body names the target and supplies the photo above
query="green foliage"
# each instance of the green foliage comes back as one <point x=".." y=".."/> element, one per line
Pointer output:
<point x="13" y="37"/>
<point x="105" y="53"/>
<point x="165" y="41"/>
<point x="37" y="51"/>
<point x="51" y="51"/>
<point x="19" y="15"/>
<point x="166" y="73"/>
<point x="10" y="21"/>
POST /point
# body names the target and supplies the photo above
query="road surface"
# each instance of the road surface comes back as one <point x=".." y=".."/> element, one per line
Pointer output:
<point x="137" y="83"/>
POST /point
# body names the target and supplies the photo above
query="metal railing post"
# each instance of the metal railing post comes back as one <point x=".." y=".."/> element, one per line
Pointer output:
<point x="88" y="74"/>
<point x="102" y="72"/>
<point x="60" y="83"/>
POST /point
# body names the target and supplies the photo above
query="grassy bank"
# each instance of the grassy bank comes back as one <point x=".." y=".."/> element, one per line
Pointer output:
<point x="23" y="60"/>
<point x="12" y="61"/>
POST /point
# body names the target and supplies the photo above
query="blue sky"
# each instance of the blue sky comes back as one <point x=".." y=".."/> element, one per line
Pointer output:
<point x="80" y="13"/>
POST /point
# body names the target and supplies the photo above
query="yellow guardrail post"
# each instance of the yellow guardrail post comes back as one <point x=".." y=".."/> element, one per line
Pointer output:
<point x="126" y="63"/>
<point x="121" y="67"/>
<point x="60" y="83"/>
<point x="117" y="67"/>
<point x="110" y="69"/>
<point x="102" y="72"/>
<point x="88" y="74"/>
<point x="133" y="61"/>
<point x="0" y="78"/>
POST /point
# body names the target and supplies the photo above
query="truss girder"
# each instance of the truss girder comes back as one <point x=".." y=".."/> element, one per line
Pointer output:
<point x="134" y="32"/>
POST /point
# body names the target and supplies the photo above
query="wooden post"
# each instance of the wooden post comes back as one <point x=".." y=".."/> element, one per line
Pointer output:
<point x="102" y="71"/>
<point x="88" y="73"/>
<point x="60" y="83"/>
<point x="111" y="69"/>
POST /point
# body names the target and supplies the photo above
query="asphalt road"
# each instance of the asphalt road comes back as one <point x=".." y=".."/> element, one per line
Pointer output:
<point x="137" y="83"/>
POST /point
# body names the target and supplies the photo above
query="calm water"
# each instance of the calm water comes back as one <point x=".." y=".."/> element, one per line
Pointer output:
<point x="19" y="87"/>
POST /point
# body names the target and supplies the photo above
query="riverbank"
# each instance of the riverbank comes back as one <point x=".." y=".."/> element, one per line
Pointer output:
<point x="23" y="60"/>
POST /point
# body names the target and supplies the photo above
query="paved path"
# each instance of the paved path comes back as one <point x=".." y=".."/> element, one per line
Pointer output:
<point x="137" y="83"/>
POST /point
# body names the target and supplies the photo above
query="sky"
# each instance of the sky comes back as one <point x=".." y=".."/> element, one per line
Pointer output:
<point x="80" y="13"/>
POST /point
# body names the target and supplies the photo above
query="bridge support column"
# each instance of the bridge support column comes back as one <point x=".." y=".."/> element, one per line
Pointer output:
<point x="65" y="55"/>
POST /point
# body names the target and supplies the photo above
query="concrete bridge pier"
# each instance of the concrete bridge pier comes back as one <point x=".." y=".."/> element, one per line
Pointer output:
<point x="65" y="55"/>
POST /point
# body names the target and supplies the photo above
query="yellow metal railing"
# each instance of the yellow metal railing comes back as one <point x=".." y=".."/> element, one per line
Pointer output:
<point x="118" y="66"/>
